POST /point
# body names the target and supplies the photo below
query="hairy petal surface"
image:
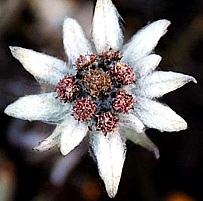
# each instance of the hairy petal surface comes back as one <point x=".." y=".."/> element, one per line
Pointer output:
<point x="51" y="141"/>
<point x="146" y="65"/>
<point x="74" y="40"/>
<point x="159" y="83"/>
<point x="110" y="153"/>
<point x="144" y="41"/>
<point x="132" y="122"/>
<point x="106" y="31"/>
<point x="68" y="134"/>
<point x="72" y="133"/>
<point x="42" y="107"/>
<point x="140" y="139"/>
<point x="45" y="68"/>
<point x="156" y="115"/>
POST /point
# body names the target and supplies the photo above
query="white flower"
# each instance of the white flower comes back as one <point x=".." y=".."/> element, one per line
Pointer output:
<point x="106" y="92"/>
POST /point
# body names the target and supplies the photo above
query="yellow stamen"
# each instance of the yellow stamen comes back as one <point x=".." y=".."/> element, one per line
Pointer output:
<point x="120" y="65"/>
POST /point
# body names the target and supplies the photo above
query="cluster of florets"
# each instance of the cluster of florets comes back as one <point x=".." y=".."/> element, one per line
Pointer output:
<point x="123" y="73"/>
<point x="96" y="90"/>
<point x="123" y="102"/>
<point x="66" y="88"/>
<point x="84" y="109"/>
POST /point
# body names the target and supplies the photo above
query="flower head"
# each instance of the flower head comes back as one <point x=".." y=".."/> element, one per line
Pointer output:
<point x="108" y="93"/>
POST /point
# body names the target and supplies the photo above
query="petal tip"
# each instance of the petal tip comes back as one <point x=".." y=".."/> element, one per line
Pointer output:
<point x="180" y="126"/>
<point x="9" y="110"/>
<point x="12" y="48"/>
<point x="64" y="151"/>
<point x="6" y="110"/>
<point x="112" y="187"/>
<point x="15" y="50"/>
<point x="68" y="20"/>
<point x="156" y="153"/>
<point x="193" y="80"/>
<point x="184" y="125"/>
<point x="165" y="23"/>
<point x="112" y="192"/>
<point x="44" y="145"/>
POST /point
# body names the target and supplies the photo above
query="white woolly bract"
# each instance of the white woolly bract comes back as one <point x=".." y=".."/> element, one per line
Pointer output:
<point x="72" y="133"/>
<point x="146" y="65"/>
<point x="50" y="142"/>
<point x="42" y="107"/>
<point x="110" y="153"/>
<point x="132" y="122"/>
<point x="43" y="67"/>
<point x="159" y="83"/>
<point x="106" y="31"/>
<point x="144" y="41"/>
<point x="156" y="115"/>
<point x="140" y="139"/>
<point x="74" y="40"/>
<point x="67" y="135"/>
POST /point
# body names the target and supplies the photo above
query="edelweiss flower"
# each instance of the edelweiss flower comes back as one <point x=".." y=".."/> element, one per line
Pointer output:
<point x="106" y="92"/>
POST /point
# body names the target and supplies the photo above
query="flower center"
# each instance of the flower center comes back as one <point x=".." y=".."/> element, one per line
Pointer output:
<point x="96" y="91"/>
<point x="96" y="82"/>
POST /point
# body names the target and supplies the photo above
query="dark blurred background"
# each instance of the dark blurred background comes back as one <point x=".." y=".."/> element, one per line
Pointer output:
<point x="33" y="176"/>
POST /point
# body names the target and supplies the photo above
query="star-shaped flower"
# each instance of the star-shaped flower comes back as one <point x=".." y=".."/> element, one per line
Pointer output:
<point x="107" y="91"/>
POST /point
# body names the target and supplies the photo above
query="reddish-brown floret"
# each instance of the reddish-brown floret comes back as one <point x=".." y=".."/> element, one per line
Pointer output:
<point x="85" y="61"/>
<point x="123" y="73"/>
<point x="66" y="88"/>
<point x="84" y="109"/>
<point x="123" y="102"/>
<point x="107" y="122"/>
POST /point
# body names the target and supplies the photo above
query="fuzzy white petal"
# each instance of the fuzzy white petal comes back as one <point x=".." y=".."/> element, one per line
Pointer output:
<point x="110" y="153"/>
<point x="145" y="65"/>
<point x="72" y="133"/>
<point x="45" y="68"/>
<point x="144" y="41"/>
<point x="159" y="83"/>
<point x="156" y="115"/>
<point x="132" y="122"/>
<point x="106" y="31"/>
<point x="68" y="134"/>
<point x="74" y="40"/>
<point x="42" y="107"/>
<point x="51" y="141"/>
<point x="140" y="139"/>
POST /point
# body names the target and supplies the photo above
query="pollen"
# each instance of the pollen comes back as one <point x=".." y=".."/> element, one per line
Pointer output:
<point x="120" y="65"/>
<point x="84" y="109"/>
<point x="66" y="88"/>
<point x="96" y="82"/>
